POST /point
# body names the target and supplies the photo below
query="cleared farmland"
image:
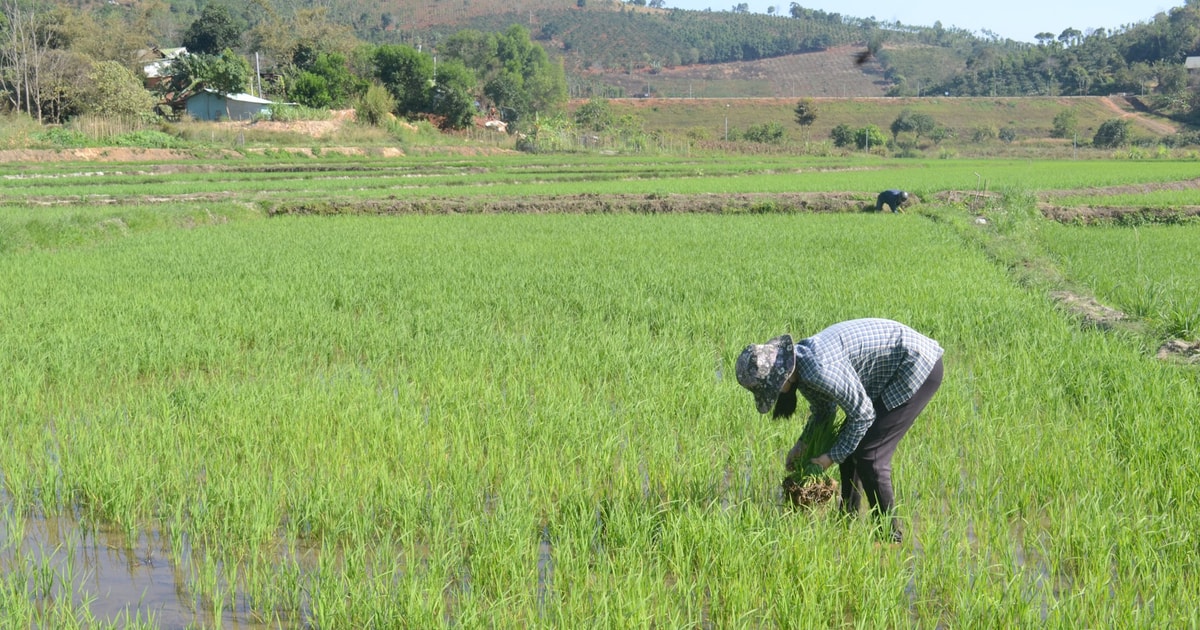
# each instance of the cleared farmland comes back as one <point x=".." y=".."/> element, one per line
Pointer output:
<point x="530" y="420"/>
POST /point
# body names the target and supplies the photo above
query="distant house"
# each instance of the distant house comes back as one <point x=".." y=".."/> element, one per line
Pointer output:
<point x="155" y="62"/>
<point x="211" y="105"/>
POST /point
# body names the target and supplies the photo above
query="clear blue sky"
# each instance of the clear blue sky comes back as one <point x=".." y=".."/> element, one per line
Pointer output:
<point x="1013" y="19"/>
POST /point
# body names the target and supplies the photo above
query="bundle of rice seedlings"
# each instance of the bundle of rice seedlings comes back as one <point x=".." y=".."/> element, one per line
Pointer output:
<point x="808" y="485"/>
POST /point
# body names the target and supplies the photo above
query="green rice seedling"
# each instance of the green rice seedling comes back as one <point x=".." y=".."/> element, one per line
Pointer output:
<point x="518" y="420"/>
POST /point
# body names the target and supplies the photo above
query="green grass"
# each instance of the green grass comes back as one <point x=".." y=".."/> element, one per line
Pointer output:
<point x="1165" y="199"/>
<point x="1150" y="272"/>
<point x="516" y="420"/>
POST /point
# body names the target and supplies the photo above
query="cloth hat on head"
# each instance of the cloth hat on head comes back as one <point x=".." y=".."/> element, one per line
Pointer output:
<point x="763" y="368"/>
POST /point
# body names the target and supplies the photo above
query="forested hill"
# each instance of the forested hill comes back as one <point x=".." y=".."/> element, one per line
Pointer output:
<point x="632" y="36"/>
<point x="644" y="36"/>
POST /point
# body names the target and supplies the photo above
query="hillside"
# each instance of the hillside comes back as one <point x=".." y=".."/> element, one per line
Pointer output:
<point x="826" y="73"/>
<point x="1030" y="118"/>
<point x="618" y="49"/>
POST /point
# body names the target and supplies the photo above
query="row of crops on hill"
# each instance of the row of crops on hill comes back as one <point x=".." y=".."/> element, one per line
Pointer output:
<point x="632" y="39"/>
<point x="530" y="420"/>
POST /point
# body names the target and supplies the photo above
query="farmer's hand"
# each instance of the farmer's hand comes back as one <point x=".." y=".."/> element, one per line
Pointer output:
<point x="824" y="461"/>
<point x="794" y="455"/>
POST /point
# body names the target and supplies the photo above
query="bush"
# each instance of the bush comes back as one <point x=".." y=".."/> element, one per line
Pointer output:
<point x="869" y="137"/>
<point x="983" y="133"/>
<point x="310" y="90"/>
<point x="59" y="137"/>
<point x="148" y="139"/>
<point x="842" y="135"/>
<point x="293" y="113"/>
<point x="374" y="107"/>
<point x="1112" y="133"/>
<point x="1066" y="123"/>
<point x="765" y="133"/>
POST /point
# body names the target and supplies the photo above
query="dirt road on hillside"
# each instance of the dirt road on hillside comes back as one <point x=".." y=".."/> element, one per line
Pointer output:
<point x="1153" y="124"/>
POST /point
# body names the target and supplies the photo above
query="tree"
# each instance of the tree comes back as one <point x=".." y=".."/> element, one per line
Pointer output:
<point x="115" y="36"/>
<point x="543" y="82"/>
<point x="304" y="35"/>
<point x="594" y="115"/>
<point x="1008" y="134"/>
<point x="115" y="91"/>
<point x="518" y="76"/>
<point x="1172" y="77"/>
<point x="806" y="112"/>
<point x="1112" y="133"/>
<point x="915" y="122"/>
<point x="1070" y="36"/>
<point x="452" y="98"/>
<point x="24" y="43"/>
<point x="214" y="31"/>
<point x="407" y="74"/>
<point x="62" y="84"/>
<point x="1066" y="123"/>
<point x="227" y="73"/>
<point x="340" y="83"/>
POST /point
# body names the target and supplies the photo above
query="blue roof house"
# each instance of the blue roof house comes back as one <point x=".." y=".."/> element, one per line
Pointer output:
<point x="210" y="105"/>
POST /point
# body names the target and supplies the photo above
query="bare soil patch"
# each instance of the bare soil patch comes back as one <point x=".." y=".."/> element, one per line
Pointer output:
<point x="1179" y="350"/>
<point x="105" y="154"/>
<point x="590" y="204"/>
<point x="387" y="152"/>
<point x="1101" y="214"/>
<point x="1091" y="311"/>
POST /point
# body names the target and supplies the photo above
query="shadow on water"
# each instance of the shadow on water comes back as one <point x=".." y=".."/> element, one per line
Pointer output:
<point x="119" y="578"/>
<point x="545" y="563"/>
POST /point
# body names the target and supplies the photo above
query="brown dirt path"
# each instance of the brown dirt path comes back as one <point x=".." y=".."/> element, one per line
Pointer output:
<point x="1153" y="124"/>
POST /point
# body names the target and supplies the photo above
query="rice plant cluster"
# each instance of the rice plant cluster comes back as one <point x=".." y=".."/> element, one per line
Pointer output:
<point x="532" y="421"/>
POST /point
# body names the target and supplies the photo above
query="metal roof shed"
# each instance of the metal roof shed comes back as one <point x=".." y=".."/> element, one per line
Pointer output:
<point x="210" y="105"/>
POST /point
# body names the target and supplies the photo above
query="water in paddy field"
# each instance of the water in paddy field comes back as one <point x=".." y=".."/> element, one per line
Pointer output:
<point x="120" y="579"/>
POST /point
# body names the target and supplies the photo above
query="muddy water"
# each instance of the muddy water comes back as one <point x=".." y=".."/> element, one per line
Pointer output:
<point x="119" y="579"/>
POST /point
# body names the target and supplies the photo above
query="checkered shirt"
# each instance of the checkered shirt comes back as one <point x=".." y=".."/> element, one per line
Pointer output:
<point x="850" y="363"/>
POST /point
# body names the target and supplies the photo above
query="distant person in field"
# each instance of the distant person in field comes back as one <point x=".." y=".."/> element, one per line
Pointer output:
<point x="880" y="373"/>
<point x="893" y="199"/>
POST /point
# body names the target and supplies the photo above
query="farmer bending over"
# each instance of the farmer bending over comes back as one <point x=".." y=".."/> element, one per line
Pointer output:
<point x="880" y="372"/>
<point x="893" y="199"/>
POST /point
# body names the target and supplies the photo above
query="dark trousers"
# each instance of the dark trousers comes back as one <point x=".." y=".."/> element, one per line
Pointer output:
<point x="868" y="470"/>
